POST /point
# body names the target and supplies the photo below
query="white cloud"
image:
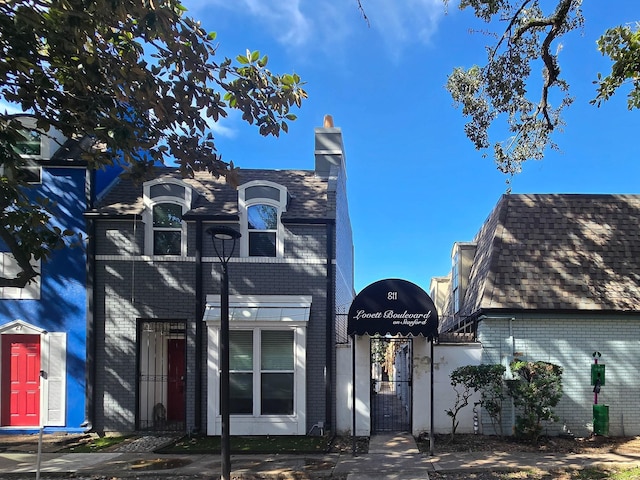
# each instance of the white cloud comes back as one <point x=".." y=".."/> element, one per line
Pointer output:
<point x="403" y="23"/>
<point x="283" y="19"/>
<point x="327" y="25"/>
<point x="224" y="131"/>
<point x="225" y="127"/>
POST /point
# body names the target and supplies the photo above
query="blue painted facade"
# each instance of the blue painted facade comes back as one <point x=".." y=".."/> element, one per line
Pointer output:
<point x="62" y="303"/>
<point x="53" y="309"/>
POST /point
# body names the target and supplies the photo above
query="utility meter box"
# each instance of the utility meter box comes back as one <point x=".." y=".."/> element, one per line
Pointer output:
<point x="597" y="372"/>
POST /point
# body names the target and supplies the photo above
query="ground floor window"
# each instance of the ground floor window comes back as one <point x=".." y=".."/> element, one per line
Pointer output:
<point x="261" y="375"/>
<point x="267" y="364"/>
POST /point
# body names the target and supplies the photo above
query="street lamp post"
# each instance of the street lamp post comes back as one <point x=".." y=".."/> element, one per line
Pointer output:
<point x="221" y="235"/>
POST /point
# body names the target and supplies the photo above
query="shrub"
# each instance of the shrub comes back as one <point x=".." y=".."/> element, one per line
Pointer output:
<point x="487" y="379"/>
<point x="536" y="389"/>
<point x="463" y="382"/>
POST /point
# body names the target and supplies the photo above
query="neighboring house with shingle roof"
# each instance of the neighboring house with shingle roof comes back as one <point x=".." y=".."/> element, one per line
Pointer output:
<point x="158" y="307"/>
<point x="556" y="277"/>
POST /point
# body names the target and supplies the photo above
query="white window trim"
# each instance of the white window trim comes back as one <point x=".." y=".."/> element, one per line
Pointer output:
<point x="294" y="424"/>
<point x="244" y="204"/>
<point x="50" y="141"/>
<point x="147" y="216"/>
<point x="9" y="268"/>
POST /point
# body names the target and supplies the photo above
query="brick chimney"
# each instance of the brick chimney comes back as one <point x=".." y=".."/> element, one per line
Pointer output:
<point x="329" y="149"/>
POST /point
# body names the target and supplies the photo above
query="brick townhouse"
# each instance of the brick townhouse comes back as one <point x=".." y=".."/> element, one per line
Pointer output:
<point x="157" y="298"/>
<point x="556" y="278"/>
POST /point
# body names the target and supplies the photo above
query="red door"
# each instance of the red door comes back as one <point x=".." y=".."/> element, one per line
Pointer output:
<point x="175" y="387"/>
<point x="20" y="380"/>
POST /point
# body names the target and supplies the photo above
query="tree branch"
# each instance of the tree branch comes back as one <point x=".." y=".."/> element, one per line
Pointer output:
<point x="27" y="272"/>
<point x="364" y="15"/>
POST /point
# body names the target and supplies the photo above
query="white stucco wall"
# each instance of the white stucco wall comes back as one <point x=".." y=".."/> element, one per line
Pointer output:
<point x="343" y="389"/>
<point x="447" y="358"/>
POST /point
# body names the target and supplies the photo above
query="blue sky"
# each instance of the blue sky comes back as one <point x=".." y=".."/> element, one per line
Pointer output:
<point x="415" y="182"/>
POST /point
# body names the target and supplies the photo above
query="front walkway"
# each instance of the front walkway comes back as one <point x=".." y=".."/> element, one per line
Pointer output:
<point x="390" y="457"/>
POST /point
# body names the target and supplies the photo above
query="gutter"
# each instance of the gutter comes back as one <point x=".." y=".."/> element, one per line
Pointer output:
<point x="330" y="314"/>
<point x="90" y="334"/>
<point x="199" y="311"/>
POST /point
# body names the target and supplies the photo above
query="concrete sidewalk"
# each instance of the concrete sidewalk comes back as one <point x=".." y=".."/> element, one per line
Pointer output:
<point x="389" y="457"/>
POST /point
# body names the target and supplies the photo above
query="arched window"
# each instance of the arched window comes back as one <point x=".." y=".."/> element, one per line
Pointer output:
<point x="262" y="225"/>
<point x="167" y="229"/>
<point x="261" y="206"/>
<point x="166" y="201"/>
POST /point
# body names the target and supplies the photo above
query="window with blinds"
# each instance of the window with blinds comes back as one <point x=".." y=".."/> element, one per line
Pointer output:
<point x="241" y="372"/>
<point x="276" y="374"/>
<point x="261" y="375"/>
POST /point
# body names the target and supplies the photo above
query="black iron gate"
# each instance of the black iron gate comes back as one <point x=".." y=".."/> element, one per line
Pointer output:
<point x="161" y="375"/>
<point x="391" y="388"/>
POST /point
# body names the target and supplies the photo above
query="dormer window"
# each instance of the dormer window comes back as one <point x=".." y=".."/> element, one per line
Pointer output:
<point x="36" y="144"/>
<point x="262" y="223"/>
<point x="167" y="229"/>
<point x="30" y="145"/>
<point x="261" y="206"/>
<point x="455" y="281"/>
<point x="461" y="262"/>
<point x="166" y="201"/>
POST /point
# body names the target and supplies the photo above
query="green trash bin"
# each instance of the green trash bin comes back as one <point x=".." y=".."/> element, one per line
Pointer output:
<point x="601" y="419"/>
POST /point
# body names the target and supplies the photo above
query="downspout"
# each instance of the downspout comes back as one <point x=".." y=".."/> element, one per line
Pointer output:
<point x="330" y="314"/>
<point x="90" y="335"/>
<point x="197" y="408"/>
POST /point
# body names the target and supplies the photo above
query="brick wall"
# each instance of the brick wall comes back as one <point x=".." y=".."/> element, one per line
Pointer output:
<point x="130" y="287"/>
<point x="570" y="341"/>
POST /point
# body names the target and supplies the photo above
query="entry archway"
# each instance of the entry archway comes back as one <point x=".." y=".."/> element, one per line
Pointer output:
<point x="391" y="384"/>
<point x="388" y="308"/>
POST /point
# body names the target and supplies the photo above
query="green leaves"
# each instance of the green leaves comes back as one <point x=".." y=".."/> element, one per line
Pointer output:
<point x="536" y="389"/>
<point x="263" y="97"/>
<point x="250" y="58"/>
<point x="486" y="379"/>
<point x="499" y="89"/>
<point x="133" y="76"/>
<point x="622" y="45"/>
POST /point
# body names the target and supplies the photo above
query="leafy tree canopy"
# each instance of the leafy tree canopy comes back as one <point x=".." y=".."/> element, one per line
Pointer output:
<point x="139" y="79"/>
<point x="502" y="87"/>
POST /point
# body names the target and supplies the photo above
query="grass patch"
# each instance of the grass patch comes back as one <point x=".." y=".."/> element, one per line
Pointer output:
<point x="250" y="444"/>
<point x="590" y="473"/>
<point x="626" y="474"/>
<point x="96" y="444"/>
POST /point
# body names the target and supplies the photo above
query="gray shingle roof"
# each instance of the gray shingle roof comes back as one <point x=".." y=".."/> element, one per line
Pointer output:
<point x="308" y="194"/>
<point x="558" y="252"/>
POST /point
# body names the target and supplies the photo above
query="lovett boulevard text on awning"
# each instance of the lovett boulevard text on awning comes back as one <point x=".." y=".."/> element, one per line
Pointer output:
<point x="393" y="306"/>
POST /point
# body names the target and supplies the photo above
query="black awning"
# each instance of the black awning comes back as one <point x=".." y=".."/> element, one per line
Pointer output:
<point x="395" y="307"/>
